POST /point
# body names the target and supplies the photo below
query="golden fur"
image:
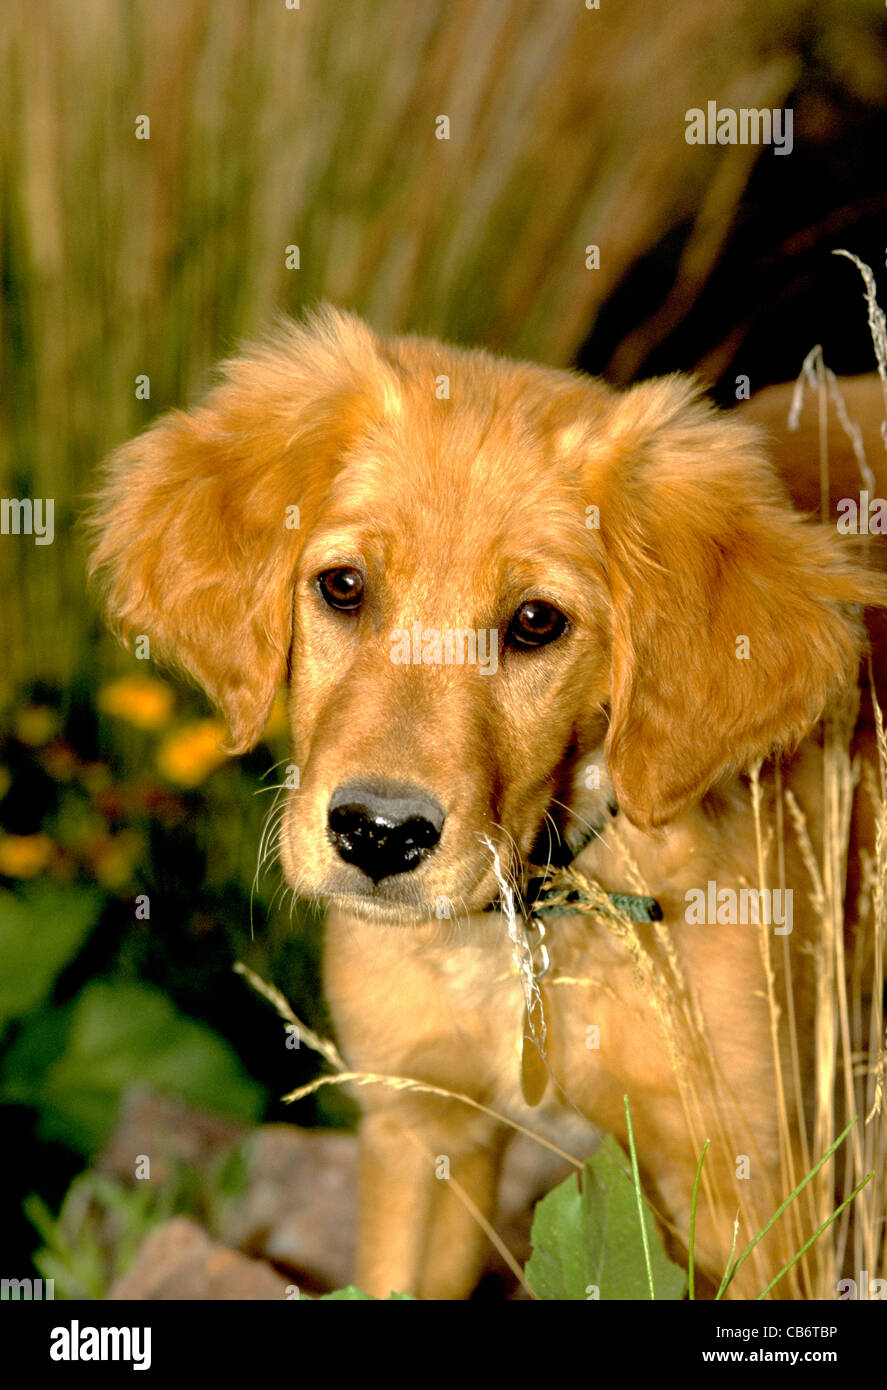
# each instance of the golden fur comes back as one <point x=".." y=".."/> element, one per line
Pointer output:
<point x="457" y="511"/>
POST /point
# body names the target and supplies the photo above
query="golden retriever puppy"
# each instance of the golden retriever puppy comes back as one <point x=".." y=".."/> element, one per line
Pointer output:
<point x="523" y="619"/>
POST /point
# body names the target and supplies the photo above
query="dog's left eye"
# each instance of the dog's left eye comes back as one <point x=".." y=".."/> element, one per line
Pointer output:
<point x="535" y="624"/>
<point x="342" y="588"/>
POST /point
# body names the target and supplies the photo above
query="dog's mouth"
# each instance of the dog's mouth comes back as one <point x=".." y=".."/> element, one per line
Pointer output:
<point x="381" y="911"/>
<point x="549" y="893"/>
<point x="403" y="903"/>
<point x="547" y="888"/>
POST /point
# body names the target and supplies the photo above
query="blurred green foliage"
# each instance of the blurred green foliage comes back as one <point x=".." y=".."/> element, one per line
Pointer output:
<point x="102" y="1222"/>
<point x="118" y="1032"/>
<point x="40" y="931"/>
<point x="128" y="888"/>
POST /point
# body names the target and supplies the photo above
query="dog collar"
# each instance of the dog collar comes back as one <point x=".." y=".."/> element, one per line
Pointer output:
<point x="550" y="894"/>
<point x="556" y="889"/>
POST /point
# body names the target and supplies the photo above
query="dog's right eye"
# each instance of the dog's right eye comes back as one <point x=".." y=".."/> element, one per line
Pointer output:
<point x="342" y="588"/>
<point x="535" y="624"/>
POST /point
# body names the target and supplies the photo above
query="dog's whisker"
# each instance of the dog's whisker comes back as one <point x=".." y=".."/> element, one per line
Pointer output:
<point x="594" y="831"/>
<point x="515" y="873"/>
<point x="280" y="762"/>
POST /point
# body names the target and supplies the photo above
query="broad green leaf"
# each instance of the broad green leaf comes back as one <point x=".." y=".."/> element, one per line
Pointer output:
<point x="559" y="1265"/>
<point x="122" y="1034"/>
<point x="588" y="1244"/>
<point x="40" y="1039"/>
<point x="42" y="927"/>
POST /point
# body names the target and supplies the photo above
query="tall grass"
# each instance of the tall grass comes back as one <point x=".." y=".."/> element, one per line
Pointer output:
<point x="315" y="127"/>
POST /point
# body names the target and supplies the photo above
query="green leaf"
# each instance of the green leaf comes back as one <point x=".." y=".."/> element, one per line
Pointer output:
<point x="353" y="1295"/>
<point x="122" y="1034"/>
<point x="77" y="1252"/>
<point x="39" y="1040"/>
<point x="349" y="1295"/>
<point x="41" y="930"/>
<point x="559" y="1267"/>
<point x="591" y="1239"/>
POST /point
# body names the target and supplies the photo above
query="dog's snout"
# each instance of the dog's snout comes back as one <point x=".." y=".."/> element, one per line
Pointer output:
<point x="383" y="830"/>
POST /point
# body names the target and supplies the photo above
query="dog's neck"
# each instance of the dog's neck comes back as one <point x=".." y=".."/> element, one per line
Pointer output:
<point x="550" y="888"/>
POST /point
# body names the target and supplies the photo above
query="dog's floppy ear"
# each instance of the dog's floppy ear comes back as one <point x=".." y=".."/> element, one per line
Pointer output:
<point x="733" y="619"/>
<point x="200" y="521"/>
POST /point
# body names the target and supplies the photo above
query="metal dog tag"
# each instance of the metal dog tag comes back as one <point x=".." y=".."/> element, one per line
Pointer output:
<point x="533" y="1068"/>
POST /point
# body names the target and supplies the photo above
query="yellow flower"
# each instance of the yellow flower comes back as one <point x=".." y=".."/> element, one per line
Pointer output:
<point x="36" y="725"/>
<point x="143" y="701"/>
<point x="23" y="856"/>
<point x="189" y="754"/>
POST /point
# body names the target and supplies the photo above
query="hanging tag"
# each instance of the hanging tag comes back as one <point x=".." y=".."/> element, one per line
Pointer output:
<point x="533" y="1068"/>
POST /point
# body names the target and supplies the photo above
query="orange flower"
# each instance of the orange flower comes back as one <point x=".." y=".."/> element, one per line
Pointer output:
<point x="23" y="856"/>
<point x="143" y="701"/>
<point x="188" y="755"/>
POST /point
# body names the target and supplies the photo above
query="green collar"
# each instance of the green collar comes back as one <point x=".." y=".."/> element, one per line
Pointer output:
<point x="563" y="891"/>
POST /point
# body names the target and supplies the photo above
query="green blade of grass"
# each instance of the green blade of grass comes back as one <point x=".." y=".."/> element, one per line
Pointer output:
<point x="691" y="1292"/>
<point x="731" y="1271"/>
<point x="640" y="1199"/>
<point x="816" y="1235"/>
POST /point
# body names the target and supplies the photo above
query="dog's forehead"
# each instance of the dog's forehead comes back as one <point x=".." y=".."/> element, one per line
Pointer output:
<point x="440" y="470"/>
<point x="484" y="489"/>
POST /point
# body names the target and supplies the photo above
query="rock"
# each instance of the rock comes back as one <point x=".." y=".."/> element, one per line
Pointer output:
<point x="299" y="1205"/>
<point x="169" y="1132"/>
<point x="179" y="1261"/>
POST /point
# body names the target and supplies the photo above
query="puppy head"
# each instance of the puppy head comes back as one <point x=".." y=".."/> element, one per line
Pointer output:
<point x="462" y="646"/>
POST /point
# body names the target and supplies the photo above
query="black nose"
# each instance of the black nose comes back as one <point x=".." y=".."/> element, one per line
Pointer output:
<point x="383" y="830"/>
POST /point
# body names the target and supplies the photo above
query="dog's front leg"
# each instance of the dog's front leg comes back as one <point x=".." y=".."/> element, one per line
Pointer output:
<point x="418" y="1234"/>
<point x="456" y="1246"/>
<point x="395" y="1191"/>
<point x="404" y="1015"/>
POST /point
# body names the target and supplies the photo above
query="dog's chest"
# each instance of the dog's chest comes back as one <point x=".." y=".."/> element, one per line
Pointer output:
<point x="450" y="1012"/>
<point x="486" y="1002"/>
